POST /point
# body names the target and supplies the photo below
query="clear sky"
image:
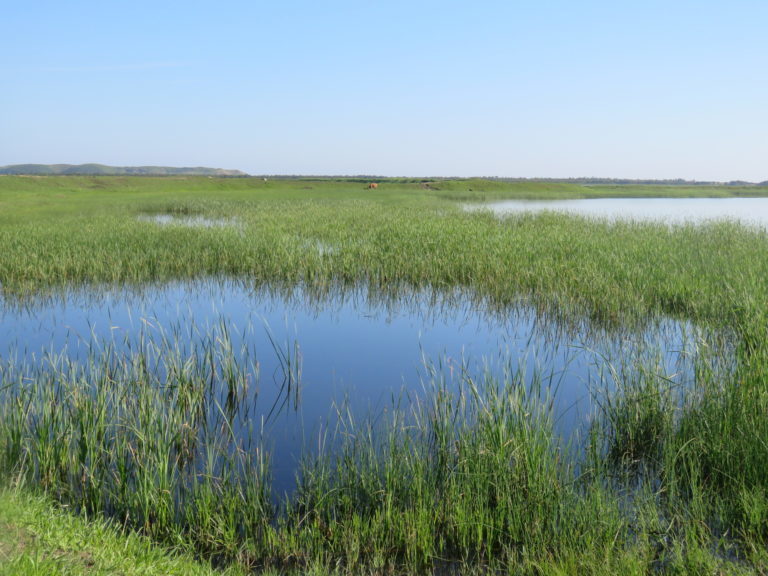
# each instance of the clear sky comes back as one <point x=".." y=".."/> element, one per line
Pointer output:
<point x="535" y="88"/>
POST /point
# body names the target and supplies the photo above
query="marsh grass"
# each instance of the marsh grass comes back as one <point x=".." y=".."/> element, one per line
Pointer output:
<point x="155" y="433"/>
<point x="65" y="232"/>
<point x="469" y="472"/>
<point x="637" y="408"/>
<point x="468" y="475"/>
<point x="151" y="431"/>
<point x="711" y="274"/>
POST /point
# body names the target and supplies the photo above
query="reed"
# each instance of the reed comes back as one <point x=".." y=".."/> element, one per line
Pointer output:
<point x="145" y="435"/>
<point x="614" y="274"/>
<point x="469" y="472"/>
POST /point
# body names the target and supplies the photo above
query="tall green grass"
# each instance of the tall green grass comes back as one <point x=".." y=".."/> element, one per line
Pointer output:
<point x="573" y="268"/>
<point x="39" y="539"/>
<point x="469" y="473"/>
<point x="153" y="431"/>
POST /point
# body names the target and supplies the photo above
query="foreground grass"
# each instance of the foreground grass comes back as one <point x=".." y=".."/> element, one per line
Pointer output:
<point x="39" y="539"/>
<point x="36" y="538"/>
<point x="468" y="476"/>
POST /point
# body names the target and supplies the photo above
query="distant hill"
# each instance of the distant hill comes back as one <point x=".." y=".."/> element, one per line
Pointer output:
<point x="102" y="170"/>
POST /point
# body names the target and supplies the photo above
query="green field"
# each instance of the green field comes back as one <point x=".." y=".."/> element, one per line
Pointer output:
<point x="672" y="481"/>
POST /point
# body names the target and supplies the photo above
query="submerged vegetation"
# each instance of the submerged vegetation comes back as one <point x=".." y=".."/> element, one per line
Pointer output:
<point x="469" y="475"/>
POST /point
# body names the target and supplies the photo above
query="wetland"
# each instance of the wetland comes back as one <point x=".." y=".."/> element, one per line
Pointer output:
<point x="307" y="356"/>
<point x="353" y="380"/>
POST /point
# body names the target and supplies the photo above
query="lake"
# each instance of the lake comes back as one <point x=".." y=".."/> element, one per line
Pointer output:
<point x="345" y="350"/>
<point x="748" y="211"/>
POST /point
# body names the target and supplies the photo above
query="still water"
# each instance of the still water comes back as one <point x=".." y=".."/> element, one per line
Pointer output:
<point x="350" y="348"/>
<point x="748" y="211"/>
<point x="189" y="221"/>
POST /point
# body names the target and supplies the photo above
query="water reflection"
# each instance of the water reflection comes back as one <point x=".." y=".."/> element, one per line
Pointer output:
<point x="190" y="221"/>
<point x="748" y="211"/>
<point x="305" y="352"/>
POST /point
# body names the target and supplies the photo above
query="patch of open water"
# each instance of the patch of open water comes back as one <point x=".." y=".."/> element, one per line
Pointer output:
<point x="748" y="211"/>
<point x="352" y="346"/>
<point x="190" y="221"/>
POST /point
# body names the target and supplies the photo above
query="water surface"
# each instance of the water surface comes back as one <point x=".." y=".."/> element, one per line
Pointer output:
<point x="354" y="349"/>
<point x="748" y="211"/>
<point x="188" y="221"/>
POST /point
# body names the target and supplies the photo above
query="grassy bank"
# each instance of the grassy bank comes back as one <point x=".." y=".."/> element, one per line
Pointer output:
<point x="38" y="539"/>
<point x="469" y="475"/>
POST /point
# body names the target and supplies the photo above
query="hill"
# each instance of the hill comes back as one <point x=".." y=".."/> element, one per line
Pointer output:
<point x="102" y="170"/>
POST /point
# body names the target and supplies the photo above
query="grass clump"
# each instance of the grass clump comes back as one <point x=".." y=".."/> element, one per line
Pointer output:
<point x="471" y="475"/>
<point x="637" y="416"/>
<point x="145" y="436"/>
<point x="37" y="538"/>
<point x="721" y="458"/>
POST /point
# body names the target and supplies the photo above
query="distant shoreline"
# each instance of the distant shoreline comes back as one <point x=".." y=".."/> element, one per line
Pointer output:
<point x="104" y="170"/>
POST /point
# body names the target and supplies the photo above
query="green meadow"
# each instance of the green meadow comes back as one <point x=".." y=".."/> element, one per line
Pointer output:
<point x="468" y="479"/>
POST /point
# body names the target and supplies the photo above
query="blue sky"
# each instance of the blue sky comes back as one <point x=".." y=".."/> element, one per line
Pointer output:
<point x="547" y="88"/>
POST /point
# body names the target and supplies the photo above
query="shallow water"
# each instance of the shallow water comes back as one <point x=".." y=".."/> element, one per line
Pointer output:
<point x="748" y="211"/>
<point x="353" y="348"/>
<point x="190" y="221"/>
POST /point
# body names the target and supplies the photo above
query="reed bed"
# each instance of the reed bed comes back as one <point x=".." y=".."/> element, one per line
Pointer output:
<point x="467" y="474"/>
<point x="612" y="274"/>
<point x="153" y="431"/>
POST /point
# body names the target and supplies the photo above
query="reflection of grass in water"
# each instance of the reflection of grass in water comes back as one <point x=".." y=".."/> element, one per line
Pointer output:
<point x="468" y="472"/>
<point x="636" y="410"/>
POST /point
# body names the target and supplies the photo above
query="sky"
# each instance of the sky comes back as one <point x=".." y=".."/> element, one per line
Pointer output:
<point x="529" y="88"/>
